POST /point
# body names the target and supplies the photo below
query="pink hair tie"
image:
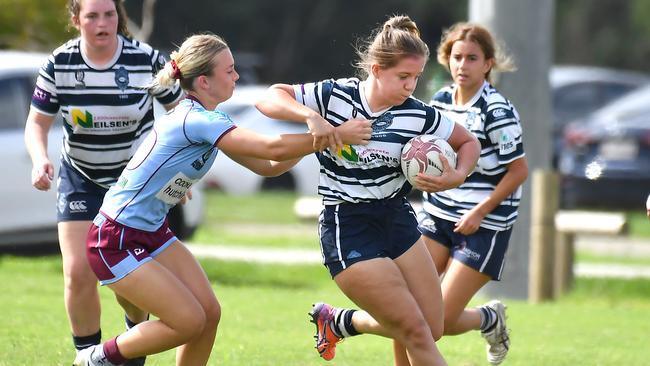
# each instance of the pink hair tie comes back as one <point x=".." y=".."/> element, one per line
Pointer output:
<point x="177" y="72"/>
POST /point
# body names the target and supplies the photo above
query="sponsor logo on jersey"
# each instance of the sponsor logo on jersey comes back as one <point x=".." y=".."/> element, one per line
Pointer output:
<point x="122" y="181"/>
<point x="382" y="122"/>
<point x="348" y="153"/>
<point x="138" y="251"/>
<point x="85" y="119"/>
<point x="498" y="113"/>
<point x="81" y="118"/>
<point x="122" y="78"/>
<point x="40" y="95"/>
<point x="200" y="162"/>
<point x="369" y="155"/>
<point x="79" y="76"/>
<point x="175" y="188"/>
<point x="506" y="144"/>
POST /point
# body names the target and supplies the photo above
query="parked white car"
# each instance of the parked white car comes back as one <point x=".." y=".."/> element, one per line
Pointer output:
<point x="235" y="179"/>
<point x="29" y="215"/>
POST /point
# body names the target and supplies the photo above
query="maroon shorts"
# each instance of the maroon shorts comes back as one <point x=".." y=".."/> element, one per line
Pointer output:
<point x="115" y="250"/>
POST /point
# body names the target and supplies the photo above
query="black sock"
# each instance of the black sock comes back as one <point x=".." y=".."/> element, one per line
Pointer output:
<point x="87" y="341"/>
<point x="129" y="323"/>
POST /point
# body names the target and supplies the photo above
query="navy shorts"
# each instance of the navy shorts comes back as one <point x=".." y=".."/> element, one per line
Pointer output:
<point x="354" y="232"/>
<point x="115" y="250"/>
<point x="484" y="251"/>
<point x="78" y="199"/>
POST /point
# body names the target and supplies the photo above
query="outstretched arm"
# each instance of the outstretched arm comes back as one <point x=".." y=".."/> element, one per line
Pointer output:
<point x="280" y="102"/>
<point x="266" y="168"/>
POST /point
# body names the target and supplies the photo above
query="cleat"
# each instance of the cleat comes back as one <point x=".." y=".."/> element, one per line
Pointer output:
<point x="322" y="315"/>
<point x="498" y="338"/>
<point x="91" y="357"/>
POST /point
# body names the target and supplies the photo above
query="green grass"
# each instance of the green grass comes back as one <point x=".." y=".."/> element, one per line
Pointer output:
<point x="263" y="220"/>
<point x="602" y="322"/>
<point x="638" y="224"/>
<point x="586" y="257"/>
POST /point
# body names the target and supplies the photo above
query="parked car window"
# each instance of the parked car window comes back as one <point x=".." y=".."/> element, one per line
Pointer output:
<point x="574" y="101"/>
<point x="613" y="91"/>
<point x="14" y="102"/>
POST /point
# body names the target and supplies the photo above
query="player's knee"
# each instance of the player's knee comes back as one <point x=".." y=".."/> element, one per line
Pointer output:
<point x="212" y="314"/>
<point x="190" y="324"/>
<point x="416" y="333"/>
<point x="437" y="331"/>
<point x="79" y="279"/>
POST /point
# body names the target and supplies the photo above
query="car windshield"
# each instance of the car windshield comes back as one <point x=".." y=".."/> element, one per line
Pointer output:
<point x="633" y="101"/>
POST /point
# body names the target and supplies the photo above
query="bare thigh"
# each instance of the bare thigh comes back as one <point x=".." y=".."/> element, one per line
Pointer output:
<point x="72" y="241"/>
<point x="459" y="285"/>
<point x="422" y="279"/>
<point x="377" y="286"/>
<point x="439" y="254"/>
<point x="180" y="261"/>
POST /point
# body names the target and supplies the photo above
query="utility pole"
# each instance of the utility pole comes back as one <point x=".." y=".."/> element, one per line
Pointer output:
<point x="526" y="29"/>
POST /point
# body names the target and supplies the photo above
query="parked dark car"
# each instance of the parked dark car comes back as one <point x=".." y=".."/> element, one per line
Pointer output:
<point x="605" y="161"/>
<point x="580" y="90"/>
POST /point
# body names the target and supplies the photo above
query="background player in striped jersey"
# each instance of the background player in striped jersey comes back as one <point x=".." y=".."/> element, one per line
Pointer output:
<point x="467" y="228"/>
<point x="130" y="247"/>
<point x="98" y="82"/>
<point x="368" y="230"/>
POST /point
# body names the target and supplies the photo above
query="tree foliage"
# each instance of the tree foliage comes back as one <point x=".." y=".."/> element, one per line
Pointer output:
<point x="296" y="40"/>
<point x="610" y="33"/>
<point x="33" y="24"/>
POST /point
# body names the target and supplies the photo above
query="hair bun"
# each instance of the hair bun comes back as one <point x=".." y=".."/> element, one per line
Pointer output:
<point x="401" y="22"/>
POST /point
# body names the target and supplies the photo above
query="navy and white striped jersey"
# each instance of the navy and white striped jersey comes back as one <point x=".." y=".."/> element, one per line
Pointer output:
<point x="495" y="122"/>
<point x="372" y="172"/>
<point x="107" y="111"/>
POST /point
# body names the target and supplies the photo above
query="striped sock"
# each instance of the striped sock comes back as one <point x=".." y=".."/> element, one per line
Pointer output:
<point x="342" y="325"/>
<point x="488" y="318"/>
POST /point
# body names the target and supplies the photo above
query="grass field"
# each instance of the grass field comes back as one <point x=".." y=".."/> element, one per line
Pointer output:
<point x="602" y="322"/>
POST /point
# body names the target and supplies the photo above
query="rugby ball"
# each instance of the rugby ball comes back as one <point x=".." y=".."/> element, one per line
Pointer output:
<point x="422" y="155"/>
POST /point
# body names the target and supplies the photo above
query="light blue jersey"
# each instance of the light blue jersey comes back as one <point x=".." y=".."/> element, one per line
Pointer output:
<point x="175" y="155"/>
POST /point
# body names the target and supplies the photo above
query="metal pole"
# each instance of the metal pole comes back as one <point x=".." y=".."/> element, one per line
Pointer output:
<point x="526" y="29"/>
